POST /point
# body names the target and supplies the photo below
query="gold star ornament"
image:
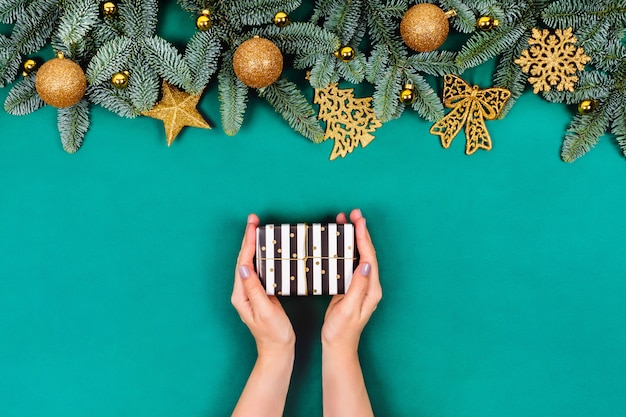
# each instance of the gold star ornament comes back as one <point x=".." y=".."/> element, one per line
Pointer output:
<point x="177" y="109"/>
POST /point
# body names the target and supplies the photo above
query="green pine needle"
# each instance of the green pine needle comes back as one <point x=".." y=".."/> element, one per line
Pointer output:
<point x="73" y="123"/>
<point x="23" y="98"/>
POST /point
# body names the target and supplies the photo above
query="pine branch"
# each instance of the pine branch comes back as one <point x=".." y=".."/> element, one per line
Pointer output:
<point x="434" y="63"/>
<point x="143" y="86"/>
<point x="35" y="25"/>
<point x="258" y="12"/>
<point x="591" y="84"/>
<point x="78" y="18"/>
<point x="323" y="71"/>
<point x="139" y="17"/>
<point x="509" y="75"/>
<point x="202" y="57"/>
<point x="464" y="21"/>
<point x="385" y="97"/>
<point x="110" y="58"/>
<point x="193" y="5"/>
<point x="345" y="19"/>
<point x="484" y="46"/>
<point x="618" y="126"/>
<point x="427" y="104"/>
<point x="23" y="98"/>
<point x="73" y="123"/>
<point x="323" y="8"/>
<point x="378" y="62"/>
<point x="10" y="10"/>
<point x="566" y="13"/>
<point x="9" y="61"/>
<point x="165" y="59"/>
<point x="583" y="133"/>
<point x="287" y="100"/>
<point x="117" y="101"/>
<point x="233" y="96"/>
<point x="301" y="38"/>
<point x="353" y="70"/>
<point x="381" y="32"/>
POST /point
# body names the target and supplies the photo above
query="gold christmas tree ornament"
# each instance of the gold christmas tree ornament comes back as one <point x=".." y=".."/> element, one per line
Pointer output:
<point x="108" y="8"/>
<point x="407" y="95"/>
<point x="345" y="53"/>
<point x="29" y="66"/>
<point x="552" y="60"/>
<point x="120" y="79"/>
<point x="61" y="82"/>
<point x="424" y="27"/>
<point x="470" y="107"/>
<point x="281" y="19"/>
<point x="486" y="23"/>
<point x="258" y="62"/>
<point x="203" y="22"/>
<point x="349" y="120"/>
<point x="177" y="109"/>
<point x="587" y="106"/>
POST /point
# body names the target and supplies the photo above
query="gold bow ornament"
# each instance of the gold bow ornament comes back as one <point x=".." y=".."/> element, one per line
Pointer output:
<point x="470" y="107"/>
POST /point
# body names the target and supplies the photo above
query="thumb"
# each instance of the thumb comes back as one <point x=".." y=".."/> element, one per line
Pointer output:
<point x="358" y="288"/>
<point x="253" y="288"/>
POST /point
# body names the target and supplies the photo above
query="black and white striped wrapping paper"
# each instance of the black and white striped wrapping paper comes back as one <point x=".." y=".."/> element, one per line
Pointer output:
<point x="305" y="259"/>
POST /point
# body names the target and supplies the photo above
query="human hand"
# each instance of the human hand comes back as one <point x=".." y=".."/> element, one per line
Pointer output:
<point x="347" y="314"/>
<point x="263" y="314"/>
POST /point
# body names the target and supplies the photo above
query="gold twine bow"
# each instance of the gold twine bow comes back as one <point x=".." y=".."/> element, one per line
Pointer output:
<point x="470" y="107"/>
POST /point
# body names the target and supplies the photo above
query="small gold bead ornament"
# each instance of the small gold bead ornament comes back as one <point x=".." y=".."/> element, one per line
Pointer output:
<point x="203" y="22"/>
<point x="108" y="8"/>
<point x="587" y="106"/>
<point x="120" y="79"/>
<point x="486" y="23"/>
<point x="424" y="27"/>
<point x="29" y="66"/>
<point x="407" y="95"/>
<point x="345" y="53"/>
<point x="281" y="19"/>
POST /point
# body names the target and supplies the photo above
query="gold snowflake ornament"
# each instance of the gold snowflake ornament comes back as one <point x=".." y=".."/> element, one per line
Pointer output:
<point x="552" y="60"/>
<point x="349" y="120"/>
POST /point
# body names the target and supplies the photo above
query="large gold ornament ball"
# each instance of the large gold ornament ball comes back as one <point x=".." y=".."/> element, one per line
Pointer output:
<point x="203" y="22"/>
<point x="258" y="62"/>
<point x="61" y="82"/>
<point x="281" y="19"/>
<point x="587" y="106"/>
<point x="424" y="27"/>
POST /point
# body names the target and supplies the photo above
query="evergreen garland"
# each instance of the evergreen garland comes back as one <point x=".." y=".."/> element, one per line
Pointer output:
<point x="104" y="45"/>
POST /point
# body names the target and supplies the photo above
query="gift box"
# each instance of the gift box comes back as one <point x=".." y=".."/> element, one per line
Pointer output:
<point x="306" y="259"/>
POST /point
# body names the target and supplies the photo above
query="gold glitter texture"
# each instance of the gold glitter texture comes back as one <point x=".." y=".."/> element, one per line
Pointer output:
<point x="424" y="27"/>
<point x="177" y="109"/>
<point x="258" y="62"/>
<point x="61" y="82"/>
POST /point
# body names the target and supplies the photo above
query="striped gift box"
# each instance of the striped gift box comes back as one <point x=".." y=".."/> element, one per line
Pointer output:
<point x="305" y="259"/>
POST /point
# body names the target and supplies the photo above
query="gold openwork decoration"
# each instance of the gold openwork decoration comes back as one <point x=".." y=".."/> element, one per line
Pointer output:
<point x="470" y="107"/>
<point x="349" y="120"/>
<point x="552" y="60"/>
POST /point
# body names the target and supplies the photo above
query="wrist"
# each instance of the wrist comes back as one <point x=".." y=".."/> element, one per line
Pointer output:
<point x="284" y="353"/>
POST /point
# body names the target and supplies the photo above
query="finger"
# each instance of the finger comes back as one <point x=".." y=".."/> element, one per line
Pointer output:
<point x="363" y="239"/>
<point x="358" y="288"/>
<point x="342" y="218"/>
<point x="246" y="256"/>
<point x="253" y="289"/>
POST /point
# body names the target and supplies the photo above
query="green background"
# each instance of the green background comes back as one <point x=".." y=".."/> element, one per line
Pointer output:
<point x="503" y="272"/>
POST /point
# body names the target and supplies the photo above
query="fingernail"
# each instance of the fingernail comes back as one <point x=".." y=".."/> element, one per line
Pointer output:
<point x="358" y="212"/>
<point x="244" y="272"/>
<point x="366" y="269"/>
<point x="250" y="218"/>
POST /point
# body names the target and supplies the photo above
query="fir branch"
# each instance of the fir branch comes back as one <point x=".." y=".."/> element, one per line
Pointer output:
<point x="73" y="123"/>
<point x="484" y="46"/>
<point x="591" y="84"/>
<point x="117" y="101"/>
<point x="167" y="62"/>
<point x="202" y="57"/>
<point x="385" y="97"/>
<point x="139" y="17"/>
<point x="107" y="31"/>
<point x="9" y="61"/>
<point x="323" y="71"/>
<point x="78" y="18"/>
<point x="301" y="38"/>
<point x="576" y="14"/>
<point x="34" y="26"/>
<point x="233" y="96"/>
<point x="344" y="20"/>
<point x="509" y="75"/>
<point x="143" y="86"/>
<point x="23" y="98"/>
<point x="10" y="10"/>
<point x="323" y="8"/>
<point x="583" y="133"/>
<point x="618" y="125"/>
<point x="111" y="57"/>
<point x="258" y="12"/>
<point x="193" y="5"/>
<point x="378" y="62"/>
<point x="381" y="32"/>
<point x="287" y="100"/>
<point x="464" y="21"/>
<point x="353" y="70"/>
<point x="427" y="104"/>
<point x="434" y="63"/>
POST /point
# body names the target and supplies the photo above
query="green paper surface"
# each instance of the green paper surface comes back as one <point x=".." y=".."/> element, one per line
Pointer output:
<point x="503" y="273"/>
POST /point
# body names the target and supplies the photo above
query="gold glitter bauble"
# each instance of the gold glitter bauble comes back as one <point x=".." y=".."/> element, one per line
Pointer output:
<point x="486" y="23"/>
<point x="424" y="27"/>
<point x="587" y="106"/>
<point x="108" y="8"/>
<point x="258" y="62"/>
<point x="29" y="66"/>
<point x="61" y="82"/>
<point x="407" y="95"/>
<point x="120" y="79"/>
<point x="203" y="22"/>
<point x="281" y="19"/>
<point x="346" y="53"/>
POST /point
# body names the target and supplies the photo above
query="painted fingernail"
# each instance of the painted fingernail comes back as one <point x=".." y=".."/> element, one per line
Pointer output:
<point x="244" y="272"/>
<point x="366" y="269"/>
